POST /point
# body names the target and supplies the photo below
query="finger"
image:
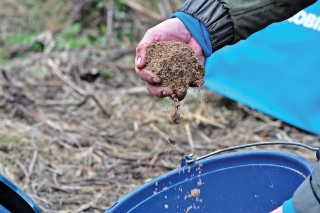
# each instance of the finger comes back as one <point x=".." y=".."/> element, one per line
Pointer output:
<point x="160" y="92"/>
<point x="171" y="29"/>
<point x="141" y="49"/>
<point x="181" y="95"/>
<point x="141" y="59"/>
<point x="201" y="59"/>
<point x="148" y="76"/>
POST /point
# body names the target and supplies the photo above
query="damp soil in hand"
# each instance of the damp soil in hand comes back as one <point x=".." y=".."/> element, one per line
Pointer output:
<point x="177" y="66"/>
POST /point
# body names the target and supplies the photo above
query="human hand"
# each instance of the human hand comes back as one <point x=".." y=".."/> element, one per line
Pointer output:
<point x="169" y="30"/>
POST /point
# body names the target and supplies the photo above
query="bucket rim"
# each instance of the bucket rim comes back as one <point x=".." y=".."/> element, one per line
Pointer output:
<point x="289" y="160"/>
<point x="18" y="198"/>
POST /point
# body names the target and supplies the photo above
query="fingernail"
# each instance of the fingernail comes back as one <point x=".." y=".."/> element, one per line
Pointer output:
<point x="156" y="80"/>
<point x="164" y="93"/>
<point x="139" y="60"/>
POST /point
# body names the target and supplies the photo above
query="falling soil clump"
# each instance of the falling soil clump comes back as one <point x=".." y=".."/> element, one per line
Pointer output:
<point x="195" y="193"/>
<point x="172" y="141"/>
<point x="175" y="116"/>
<point x="177" y="66"/>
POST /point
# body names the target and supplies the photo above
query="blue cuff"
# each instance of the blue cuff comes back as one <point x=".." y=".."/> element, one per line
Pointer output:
<point x="197" y="29"/>
<point x="288" y="207"/>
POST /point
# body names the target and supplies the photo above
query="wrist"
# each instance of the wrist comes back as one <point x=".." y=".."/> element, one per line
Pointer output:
<point x="216" y="19"/>
<point x="197" y="30"/>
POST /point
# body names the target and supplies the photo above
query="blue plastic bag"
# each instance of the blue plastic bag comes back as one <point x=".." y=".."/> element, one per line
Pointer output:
<point x="275" y="71"/>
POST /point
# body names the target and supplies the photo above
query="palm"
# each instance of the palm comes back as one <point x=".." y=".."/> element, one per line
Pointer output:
<point x="169" y="30"/>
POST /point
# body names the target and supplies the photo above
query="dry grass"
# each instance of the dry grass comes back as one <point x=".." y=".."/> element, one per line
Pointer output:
<point x="75" y="146"/>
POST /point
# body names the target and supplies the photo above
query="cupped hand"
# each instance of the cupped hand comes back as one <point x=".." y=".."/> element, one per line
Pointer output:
<point x="169" y="30"/>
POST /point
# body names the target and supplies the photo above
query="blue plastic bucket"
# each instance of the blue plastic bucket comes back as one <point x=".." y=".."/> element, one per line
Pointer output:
<point x="246" y="181"/>
<point x="14" y="200"/>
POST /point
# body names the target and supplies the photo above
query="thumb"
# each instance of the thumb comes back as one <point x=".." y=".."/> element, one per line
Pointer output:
<point x="141" y="50"/>
<point x="141" y="59"/>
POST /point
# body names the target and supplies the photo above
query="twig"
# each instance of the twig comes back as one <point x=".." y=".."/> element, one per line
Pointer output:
<point x="130" y="91"/>
<point x="35" y="153"/>
<point x="99" y="105"/>
<point x="120" y="54"/>
<point x="5" y="76"/>
<point x="66" y="80"/>
<point x="176" y="3"/>
<point x="143" y="10"/>
<point x="61" y="103"/>
<point x="189" y="135"/>
<point x="168" y="7"/>
<point x="109" y="21"/>
<point x="116" y="192"/>
<point x="118" y="66"/>
<point x="90" y="204"/>
<point x="153" y="152"/>
<point x="164" y="136"/>
<point x="204" y="136"/>
<point x="26" y="113"/>
<point x="281" y="135"/>
<point x="44" y="38"/>
<point x="258" y="115"/>
<point x="205" y="120"/>
<point x="75" y="87"/>
<point x="25" y="173"/>
<point x="161" y="8"/>
<point x="59" y="129"/>
<point x="165" y="8"/>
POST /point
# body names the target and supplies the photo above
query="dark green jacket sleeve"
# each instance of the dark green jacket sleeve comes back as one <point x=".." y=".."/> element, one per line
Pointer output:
<point x="229" y="21"/>
<point x="250" y="16"/>
<point x="306" y="199"/>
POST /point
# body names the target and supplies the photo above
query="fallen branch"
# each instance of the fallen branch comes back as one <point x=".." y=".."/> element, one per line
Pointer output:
<point x="205" y="120"/>
<point x="143" y="10"/>
<point x="73" y="86"/>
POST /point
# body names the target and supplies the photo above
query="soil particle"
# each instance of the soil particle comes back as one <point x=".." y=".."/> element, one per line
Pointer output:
<point x="188" y="209"/>
<point x="195" y="193"/>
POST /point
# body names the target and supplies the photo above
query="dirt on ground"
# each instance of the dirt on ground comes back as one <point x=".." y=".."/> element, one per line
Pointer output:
<point x="79" y="145"/>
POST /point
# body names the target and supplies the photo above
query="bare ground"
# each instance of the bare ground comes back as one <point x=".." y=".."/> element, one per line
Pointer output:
<point x="76" y="146"/>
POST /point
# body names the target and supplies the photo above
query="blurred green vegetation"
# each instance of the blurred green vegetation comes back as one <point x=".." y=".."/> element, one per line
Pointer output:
<point x="76" y="23"/>
<point x="72" y="23"/>
<point x="71" y="39"/>
<point x="107" y="73"/>
<point x="6" y="139"/>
